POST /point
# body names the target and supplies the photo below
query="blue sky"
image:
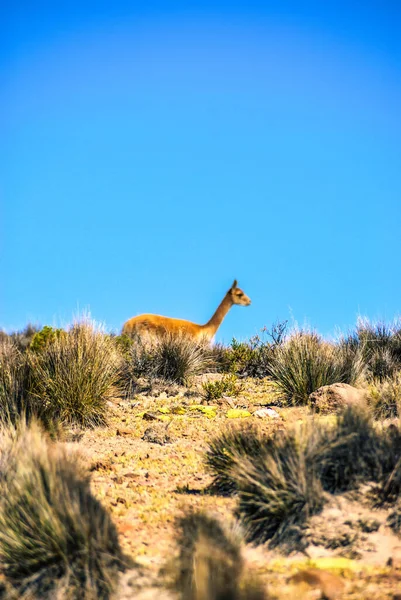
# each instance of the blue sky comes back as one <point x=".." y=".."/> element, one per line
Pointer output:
<point x="149" y="156"/>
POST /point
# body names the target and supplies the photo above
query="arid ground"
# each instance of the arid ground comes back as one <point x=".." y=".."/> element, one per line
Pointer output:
<point x="148" y="468"/>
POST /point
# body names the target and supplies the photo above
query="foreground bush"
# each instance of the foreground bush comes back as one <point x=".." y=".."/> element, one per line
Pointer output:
<point x="283" y="480"/>
<point x="210" y="565"/>
<point x="53" y="532"/>
<point x="75" y="375"/>
<point x="172" y="357"/>
<point x="305" y="362"/>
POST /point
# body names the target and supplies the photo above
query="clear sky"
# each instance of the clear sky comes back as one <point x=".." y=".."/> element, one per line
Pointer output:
<point x="151" y="152"/>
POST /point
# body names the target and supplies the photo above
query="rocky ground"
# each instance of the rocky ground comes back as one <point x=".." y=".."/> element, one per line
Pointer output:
<point x="148" y="468"/>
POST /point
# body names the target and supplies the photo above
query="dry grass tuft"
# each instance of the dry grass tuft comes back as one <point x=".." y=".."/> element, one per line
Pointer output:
<point x="282" y="480"/>
<point x="75" y="375"/>
<point x="52" y="529"/>
<point x="305" y="362"/>
<point x="385" y="397"/>
<point x="171" y="357"/>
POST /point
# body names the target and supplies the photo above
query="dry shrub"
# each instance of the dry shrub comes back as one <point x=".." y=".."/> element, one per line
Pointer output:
<point x="226" y="448"/>
<point x="171" y="357"/>
<point x="282" y="480"/>
<point x="278" y="490"/>
<point x="305" y="362"/>
<point x="15" y="382"/>
<point x="385" y="397"/>
<point x="52" y="529"/>
<point x="380" y="346"/>
<point x="76" y="374"/>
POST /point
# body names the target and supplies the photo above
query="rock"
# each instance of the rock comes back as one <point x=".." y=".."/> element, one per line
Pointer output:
<point x="333" y="398"/>
<point x="229" y="401"/>
<point x="156" y="435"/>
<point x="263" y="413"/>
<point x="125" y="432"/>
<point x="148" y="416"/>
<point x="330" y="586"/>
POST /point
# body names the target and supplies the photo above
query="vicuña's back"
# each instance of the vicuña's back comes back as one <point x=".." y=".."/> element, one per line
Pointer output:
<point x="157" y="325"/>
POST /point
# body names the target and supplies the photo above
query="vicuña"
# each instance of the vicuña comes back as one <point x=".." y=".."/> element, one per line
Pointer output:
<point x="154" y="325"/>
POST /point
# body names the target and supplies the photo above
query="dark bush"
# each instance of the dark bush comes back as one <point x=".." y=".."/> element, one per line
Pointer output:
<point x="225" y="449"/>
<point x="52" y="529"/>
<point x="282" y="480"/>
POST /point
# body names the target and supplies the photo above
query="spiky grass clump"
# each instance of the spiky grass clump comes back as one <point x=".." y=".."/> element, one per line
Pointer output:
<point x="385" y="397"/>
<point x="177" y="358"/>
<point x="278" y="490"/>
<point x="282" y="480"/>
<point x="172" y="357"/>
<point x="51" y="527"/>
<point x="76" y="374"/>
<point x="11" y="379"/>
<point x="15" y="378"/>
<point x="352" y="451"/>
<point x="210" y="565"/>
<point x="305" y="362"/>
<point x="225" y="449"/>
<point x="380" y="346"/>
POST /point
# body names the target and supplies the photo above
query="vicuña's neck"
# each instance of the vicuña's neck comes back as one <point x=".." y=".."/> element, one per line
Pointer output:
<point x="214" y="323"/>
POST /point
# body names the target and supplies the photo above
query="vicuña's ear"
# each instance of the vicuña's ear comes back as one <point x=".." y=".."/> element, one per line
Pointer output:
<point x="234" y="285"/>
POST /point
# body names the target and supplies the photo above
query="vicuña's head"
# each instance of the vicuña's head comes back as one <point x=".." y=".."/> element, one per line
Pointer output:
<point x="238" y="296"/>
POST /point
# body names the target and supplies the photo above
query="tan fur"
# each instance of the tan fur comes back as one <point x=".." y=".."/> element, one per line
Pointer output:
<point x="153" y="325"/>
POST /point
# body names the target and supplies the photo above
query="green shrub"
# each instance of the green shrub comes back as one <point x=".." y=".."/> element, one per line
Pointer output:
<point x="124" y="343"/>
<point x="227" y="386"/>
<point x="43" y="338"/>
<point x="52" y="529"/>
<point x="177" y="358"/>
<point x="305" y="362"/>
<point x="75" y="375"/>
<point x="251" y="358"/>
